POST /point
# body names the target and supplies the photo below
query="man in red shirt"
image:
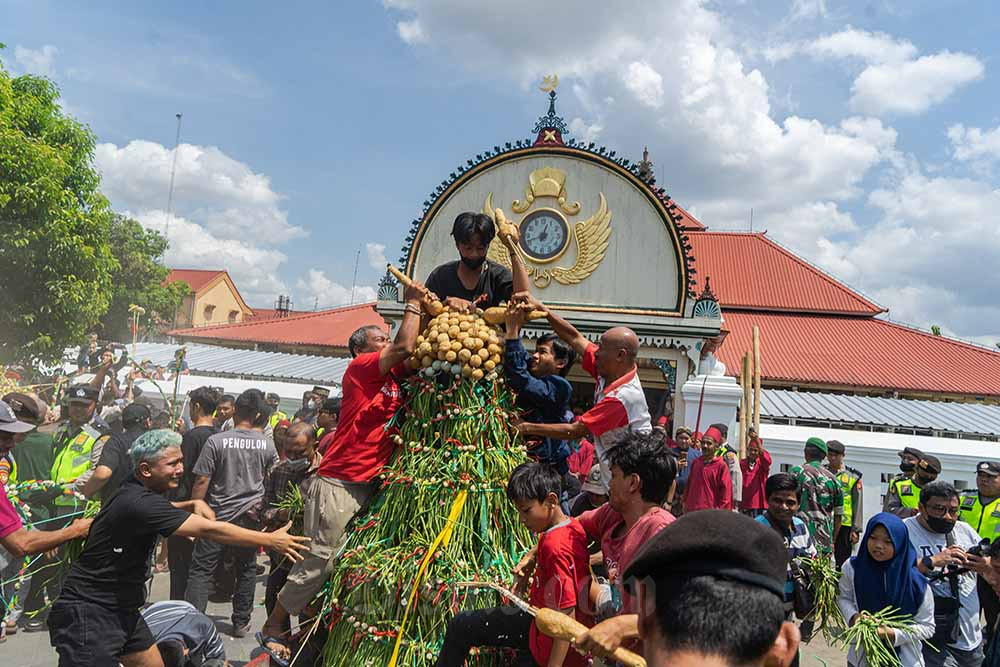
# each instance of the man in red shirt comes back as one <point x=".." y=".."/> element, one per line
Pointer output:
<point x="357" y="452"/>
<point x="619" y="402"/>
<point x="756" y="468"/>
<point x="710" y="485"/>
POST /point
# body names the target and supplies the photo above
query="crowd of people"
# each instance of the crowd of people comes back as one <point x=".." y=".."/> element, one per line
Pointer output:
<point x="671" y="541"/>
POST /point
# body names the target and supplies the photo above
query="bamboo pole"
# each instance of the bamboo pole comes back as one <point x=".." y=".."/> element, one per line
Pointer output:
<point x="744" y="403"/>
<point x="756" y="380"/>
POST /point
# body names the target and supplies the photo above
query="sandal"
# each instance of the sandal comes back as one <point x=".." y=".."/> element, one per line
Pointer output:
<point x="264" y="641"/>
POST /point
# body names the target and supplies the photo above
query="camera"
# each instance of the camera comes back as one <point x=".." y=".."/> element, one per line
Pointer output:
<point x="982" y="549"/>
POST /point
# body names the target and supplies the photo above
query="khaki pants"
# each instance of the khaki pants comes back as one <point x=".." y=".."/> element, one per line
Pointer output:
<point x="330" y="504"/>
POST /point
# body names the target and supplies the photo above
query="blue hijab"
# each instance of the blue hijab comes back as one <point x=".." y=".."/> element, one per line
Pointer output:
<point x="894" y="583"/>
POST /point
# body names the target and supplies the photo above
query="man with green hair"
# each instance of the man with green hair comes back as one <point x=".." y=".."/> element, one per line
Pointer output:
<point x="96" y="620"/>
<point x="822" y="498"/>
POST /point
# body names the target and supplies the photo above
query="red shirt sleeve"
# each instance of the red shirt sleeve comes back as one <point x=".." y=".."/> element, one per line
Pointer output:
<point x="594" y="521"/>
<point x="10" y="522"/>
<point x="607" y="415"/>
<point x="557" y="587"/>
<point x="726" y="484"/>
<point x="589" y="361"/>
<point x="366" y="367"/>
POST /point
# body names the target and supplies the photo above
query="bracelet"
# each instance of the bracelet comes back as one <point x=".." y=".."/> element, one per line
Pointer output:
<point x="410" y="308"/>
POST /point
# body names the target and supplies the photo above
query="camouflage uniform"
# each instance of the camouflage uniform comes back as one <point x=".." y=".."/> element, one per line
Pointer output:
<point x="822" y="503"/>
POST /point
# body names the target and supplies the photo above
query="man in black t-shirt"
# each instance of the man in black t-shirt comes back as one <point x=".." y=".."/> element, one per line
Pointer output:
<point x="115" y="466"/>
<point x="96" y="619"/>
<point x="472" y="281"/>
<point x="202" y="403"/>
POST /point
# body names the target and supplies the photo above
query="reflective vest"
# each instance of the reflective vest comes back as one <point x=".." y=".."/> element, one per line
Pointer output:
<point x="848" y="478"/>
<point x="276" y="417"/>
<point x="984" y="520"/>
<point x="908" y="493"/>
<point x="73" y="459"/>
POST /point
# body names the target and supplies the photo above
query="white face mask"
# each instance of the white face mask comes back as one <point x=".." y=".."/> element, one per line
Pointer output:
<point x="311" y="404"/>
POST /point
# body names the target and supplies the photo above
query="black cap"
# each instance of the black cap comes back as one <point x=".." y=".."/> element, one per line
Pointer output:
<point x="82" y="393"/>
<point x="135" y="413"/>
<point x="27" y="407"/>
<point x="912" y="451"/>
<point x="929" y="463"/>
<point x="331" y="405"/>
<point x="9" y="423"/>
<point x="719" y="544"/>
<point x="271" y="396"/>
<point x="835" y="446"/>
<point x="989" y="467"/>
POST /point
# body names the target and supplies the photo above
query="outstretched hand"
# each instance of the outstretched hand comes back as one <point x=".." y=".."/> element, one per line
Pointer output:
<point x="292" y="546"/>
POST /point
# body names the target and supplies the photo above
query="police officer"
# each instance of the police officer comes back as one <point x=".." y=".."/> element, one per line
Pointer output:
<point x="904" y="494"/>
<point x="908" y="460"/>
<point x="981" y="510"/>
<point x="276" y="414"/>
<point x="850" y="482"/>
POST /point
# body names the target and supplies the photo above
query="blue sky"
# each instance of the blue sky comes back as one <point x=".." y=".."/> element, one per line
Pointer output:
<point x="865" y="135"/>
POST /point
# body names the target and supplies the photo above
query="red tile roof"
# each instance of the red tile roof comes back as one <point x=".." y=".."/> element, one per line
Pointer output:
<point x="750" y="271"/>
<point x="687" y="221"/>
<point x="195" y="278"/>
<point x="859" y="352"/>
<point x="329" y="328"/>
<point x="260" y="314"/>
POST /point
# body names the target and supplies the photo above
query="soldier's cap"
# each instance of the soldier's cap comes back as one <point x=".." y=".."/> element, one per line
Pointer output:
<point x="271" y="396"/>
<point x="27" y="407"/>
<point x="930" y="464"/>
<point x="9" y="421"/>
<point x="818" y="443"/>
<point x="910" y="451"/>
<point x="594" y="483"/>
<point x="835" y="446"/>
<point x="82" y="393"/>
<point x="715" y="543"/>
<point x="321" y="391"/>
<point x="991" y="468"/>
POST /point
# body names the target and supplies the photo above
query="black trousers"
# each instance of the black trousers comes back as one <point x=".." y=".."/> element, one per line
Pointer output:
<point x="276" y="579"/>
<point x="179" y="551"/>
<point x="506" y="627"/>
<point x="204" y="559"/>
<point x="842" y="547"/>
<point x="990" y="604"/>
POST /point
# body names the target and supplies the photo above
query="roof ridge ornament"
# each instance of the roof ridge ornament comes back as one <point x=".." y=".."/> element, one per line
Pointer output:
<point x="707" y="304"/>
<point x="551" y="127"/>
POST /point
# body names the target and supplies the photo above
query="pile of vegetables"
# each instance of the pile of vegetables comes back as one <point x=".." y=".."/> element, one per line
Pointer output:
<point x="441" y="516"/>
<point x="824" y="579"/>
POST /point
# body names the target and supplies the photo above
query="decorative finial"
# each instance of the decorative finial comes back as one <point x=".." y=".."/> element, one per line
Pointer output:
<point x="646" y="166"/>
<point x="707" y="304"/>
<point x="550" y="128"/>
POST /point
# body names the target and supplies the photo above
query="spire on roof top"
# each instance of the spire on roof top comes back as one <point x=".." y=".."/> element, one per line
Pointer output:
<point x="550" y="128"/>
<point x="646" y="166"/>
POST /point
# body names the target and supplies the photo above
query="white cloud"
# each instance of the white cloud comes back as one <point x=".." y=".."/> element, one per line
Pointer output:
<point x="316" y="288"/>
<point x="645" y="83"/>
<point x="36" y="61"/>
<point x="585" y="131"/>
<point x="807" y="9"/>
<point x="411" y="32"/>
<point x="972" y="144"/>
<point x="894" y="79"/>
<point x="376" y="256"/>
<point x="914" y="86"/>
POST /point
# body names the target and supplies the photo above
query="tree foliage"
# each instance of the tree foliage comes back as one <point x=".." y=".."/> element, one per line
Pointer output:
<point x="56" y="264"/>
<point x="138" y="279"/>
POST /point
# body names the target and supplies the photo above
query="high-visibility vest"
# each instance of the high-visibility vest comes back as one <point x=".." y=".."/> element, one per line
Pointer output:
<point x="984" y="519"/>
<point x="848" y="478"/>
<point x="73" y="459"/>
<point x="908" y="492"/>
<point x="276" y="417"/>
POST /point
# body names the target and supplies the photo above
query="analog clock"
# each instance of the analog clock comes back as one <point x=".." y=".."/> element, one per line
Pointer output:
<point x="544" y="235"/>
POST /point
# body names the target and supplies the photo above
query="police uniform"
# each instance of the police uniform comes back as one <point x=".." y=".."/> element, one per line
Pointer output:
<point x="903" y="495"/>
<point x="850" y="482"/>
<point x="77" y="451"/>
<point x="985" y="520"/>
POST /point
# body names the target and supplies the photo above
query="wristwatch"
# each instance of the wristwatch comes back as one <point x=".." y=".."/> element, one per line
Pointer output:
<point x="927" y="562"/>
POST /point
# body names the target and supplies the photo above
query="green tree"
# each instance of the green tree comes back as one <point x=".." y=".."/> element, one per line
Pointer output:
<point x="138" y="279"/>
<point x="55" y="259"/>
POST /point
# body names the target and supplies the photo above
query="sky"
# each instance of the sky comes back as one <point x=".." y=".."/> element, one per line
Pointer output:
<point x="864" y="136"/>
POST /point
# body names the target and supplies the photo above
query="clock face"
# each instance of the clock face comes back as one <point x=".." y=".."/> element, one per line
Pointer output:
<point x="544" y="235"/>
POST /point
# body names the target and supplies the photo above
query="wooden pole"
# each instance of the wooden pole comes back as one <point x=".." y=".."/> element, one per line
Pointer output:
<point x="744" y="404"/>
<point x="756" y="379"/>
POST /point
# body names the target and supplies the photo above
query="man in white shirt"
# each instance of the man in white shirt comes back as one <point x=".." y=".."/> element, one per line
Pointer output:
<point x="942" y="543"/>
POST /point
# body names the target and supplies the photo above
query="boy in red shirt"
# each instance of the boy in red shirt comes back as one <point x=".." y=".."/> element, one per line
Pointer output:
<point x="562" y="570"/>
<point x="756" y="468"/>
<point x="710" y="485"/>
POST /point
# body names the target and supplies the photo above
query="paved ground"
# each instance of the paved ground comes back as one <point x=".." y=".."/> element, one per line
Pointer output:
<point x="33" y="649"/>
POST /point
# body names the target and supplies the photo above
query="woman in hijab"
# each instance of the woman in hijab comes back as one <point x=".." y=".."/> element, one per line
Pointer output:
<point x="884" y="574"/>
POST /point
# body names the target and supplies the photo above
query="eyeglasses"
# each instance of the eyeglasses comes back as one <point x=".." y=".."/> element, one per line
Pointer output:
<point x="942" y="509"/>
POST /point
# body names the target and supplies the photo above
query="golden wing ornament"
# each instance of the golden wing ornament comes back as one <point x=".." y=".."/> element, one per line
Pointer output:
<point x="591" y="243"/>
<point x="497" y="252"/>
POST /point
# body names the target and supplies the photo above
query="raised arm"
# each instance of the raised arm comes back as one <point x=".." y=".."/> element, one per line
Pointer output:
<point x="521" y="281"/>
<point x="561" y="327"/>
<point x="409" y="328"/>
